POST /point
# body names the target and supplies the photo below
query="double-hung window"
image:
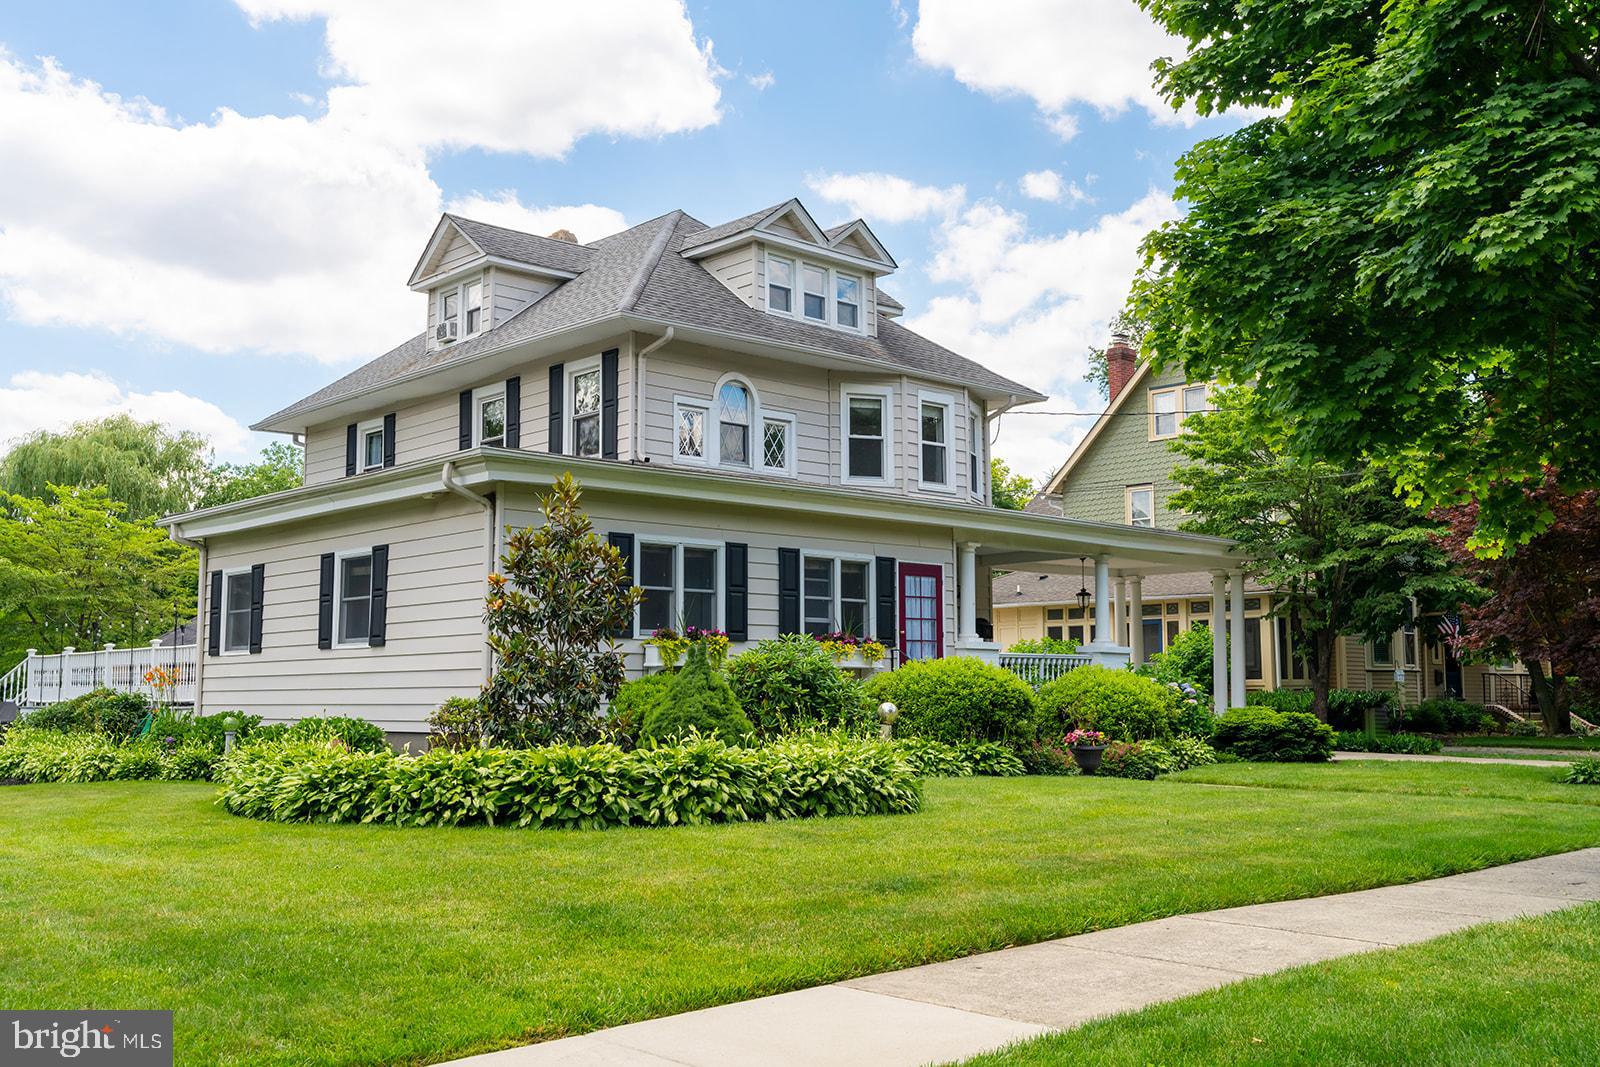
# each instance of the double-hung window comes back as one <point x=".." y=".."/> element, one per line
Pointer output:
<point x="354" y="587"/>
<point x="489" y="423"/>
<point x="836" y="596"/>
<point x="847" y="300"/>
<point x="472" y="305"/>
<point x="733" y="423"/>
<point x="371" y="445"/>
<point x="1194" y="399"/>
<point x="814" y="281"/>
<point x="236" y="611"/>
<point x="1163" y="413"/>
<point x="935" y="441"/>
<point x="780" y="285"/>
<point x="1383" y="652"/>
<point x="586" y="412"/>
<point x="680" y="586"/>
<point x="866" y="435"/>
<point x="1141" y="505"/>
<point x="463" y="305"/>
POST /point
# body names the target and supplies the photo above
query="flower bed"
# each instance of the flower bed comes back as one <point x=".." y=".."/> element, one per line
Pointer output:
<point x="565" y="786"/>
<point x="42" y="755"/>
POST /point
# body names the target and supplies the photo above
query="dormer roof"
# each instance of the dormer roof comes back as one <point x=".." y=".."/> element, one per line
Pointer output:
<point x="496" y="244"/>
<point x="852" y="241"/>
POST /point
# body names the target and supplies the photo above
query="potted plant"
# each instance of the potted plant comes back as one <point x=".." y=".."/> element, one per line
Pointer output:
<point x="1087" y="747"/>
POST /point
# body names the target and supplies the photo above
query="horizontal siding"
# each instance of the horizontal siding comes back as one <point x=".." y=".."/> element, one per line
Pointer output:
<point x="511" y="291"/>
<point x="437" y="565"/>
<point x="736" y="269"/>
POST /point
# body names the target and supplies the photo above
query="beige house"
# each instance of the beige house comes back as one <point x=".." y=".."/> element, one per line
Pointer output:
<point x="1122" y="472"/>
<point x="752" y="426"/>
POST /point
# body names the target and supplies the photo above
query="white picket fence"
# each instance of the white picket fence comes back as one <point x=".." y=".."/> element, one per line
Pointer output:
<point x="1037" y="668"/>
<point x="49" y="679"/>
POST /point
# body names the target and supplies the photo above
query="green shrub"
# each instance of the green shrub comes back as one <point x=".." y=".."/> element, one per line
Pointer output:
<point x="1120" y="704"/>
<point x="103" y="711"/>
<point x="791" y="685"/>
<point x="1275" y="736"/>
<point x="1189" y="752"/>
<point x="633" y="702"/>
<point x="191" y="762"/>
<point x="358" y="735"/>
<point x="1347" y="708"/>
<point x="35" y="755"/>
<point x="137" y="759"/>
<point x="1583" y="772"/>
<point x="271" y="734"/>
<point x="1280" y="699"/>
<point x="991" y="759"/>
<point x="1426" y="717"/>
<point x="456" y="724"/>
<point x="1194" y="716"/>
<point x="699" y="700"/>
<point x="697" y="781"/>
<point x="1187" y="661"/>
<point x="1047" y="757"/>
<point x="1052" y="646"/>
<point x="1407" y="744"/>
<point x="1523" y="728"/>
<point x="186" y="728"/>
<point x="1143" y="760"/>
<point x="935" y="759"/>
<point x="957" y="699"/>
<point x="1447" y="715"/>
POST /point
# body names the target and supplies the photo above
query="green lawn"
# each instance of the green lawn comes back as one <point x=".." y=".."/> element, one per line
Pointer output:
<point x="1575" y="743"/>
<point x="1502" y="994"/>
<point x="1534" y="783"/>
<point x="369" y="945"/>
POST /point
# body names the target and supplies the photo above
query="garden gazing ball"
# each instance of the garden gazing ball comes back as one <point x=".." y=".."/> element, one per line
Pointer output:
<point x="888" y="712"/>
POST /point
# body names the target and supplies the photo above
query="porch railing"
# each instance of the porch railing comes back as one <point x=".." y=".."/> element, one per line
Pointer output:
<point x="1512" y="690"/>
<point x="46" y="679"/>
<point x="1037" y="668"/>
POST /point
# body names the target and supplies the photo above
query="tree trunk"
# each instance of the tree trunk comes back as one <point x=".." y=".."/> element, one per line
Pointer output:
<point x="1550" y="692"/>
<point x="1320" y="670"/>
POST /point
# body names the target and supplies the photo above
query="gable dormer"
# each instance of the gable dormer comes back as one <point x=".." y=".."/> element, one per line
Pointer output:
<point x="477" y="276"/>
<point x="781" y="262"/>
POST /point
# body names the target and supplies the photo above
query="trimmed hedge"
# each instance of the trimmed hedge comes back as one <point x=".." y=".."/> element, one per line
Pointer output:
<point x="30" y="754"/>
<point x="698" y="702"/>
<point x="1282" y="737"/>
<point x="935" y="759"/>
<point x="566" y="786"/>
<point x="792" y="684"/>
<point x="1407" y="744"/>
<point x="957" y="699"/>
<point x="1120" y="704"/>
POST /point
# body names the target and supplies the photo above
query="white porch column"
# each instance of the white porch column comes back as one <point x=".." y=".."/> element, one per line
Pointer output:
<point x="1136" y="618"/>
<point x="1103" y="634"/>
<point x="967" y="593"/>
<point x="1219" y="643"/>
<point x="1236" y="633"/>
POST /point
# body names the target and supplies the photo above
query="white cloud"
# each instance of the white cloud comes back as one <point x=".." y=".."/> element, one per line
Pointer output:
<point x="762" y="82"/>
<point x="587" y="222"/>
<point x="261" y="234"/>
<point x="507" y="75"/>
<point x="1090" y="52"/>
<point x="887" y="198"/>
<point x="1029" y="306"/>
<point x="36" y="400"/>
<point x="1048" y="185"/>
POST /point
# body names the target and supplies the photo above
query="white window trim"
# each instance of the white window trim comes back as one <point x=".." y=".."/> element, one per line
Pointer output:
<point x="836" y="609"/>
<point x="977" y="439"/>
<point x="570" y="407"/>
<point x="480" y="396"/>
<point x="714" y="426"/>
<point x="948" y="403"/>
<point x="459" y="290"/>
<point x="362" y="430"/>
<point x="678" y="544"/>
<point x="1127" y="505"/>
<point x="790" y="423"/>
<point x="830" y="292"/>
<point x="679" y="405"/>
<point x="885" y="393"/>
<point x="339" y="640"/>
<point x="222" y="638"/>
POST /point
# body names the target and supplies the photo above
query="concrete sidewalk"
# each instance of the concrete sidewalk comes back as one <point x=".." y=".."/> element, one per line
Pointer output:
<point x="950" y="1011"/>
<point x="1408" y="757"/>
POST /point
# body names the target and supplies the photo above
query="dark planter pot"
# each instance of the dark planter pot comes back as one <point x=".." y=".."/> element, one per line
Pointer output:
<point x="1087" y="757"/>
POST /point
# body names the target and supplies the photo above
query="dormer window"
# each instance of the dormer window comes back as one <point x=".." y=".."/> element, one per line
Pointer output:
<point x="815" y="280"/>
<point x="828" y="297"/>
<point x="847" y="300"/>
<point x="474" y="307"/>
<point x="780" y="285"/>
<point x="461" y="311"/>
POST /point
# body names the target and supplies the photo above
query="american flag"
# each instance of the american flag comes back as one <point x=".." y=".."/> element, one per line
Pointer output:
<point x="1450" y="630"/>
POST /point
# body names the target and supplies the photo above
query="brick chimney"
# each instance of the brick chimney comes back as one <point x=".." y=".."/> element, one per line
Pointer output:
<point x="1120" y="358"/>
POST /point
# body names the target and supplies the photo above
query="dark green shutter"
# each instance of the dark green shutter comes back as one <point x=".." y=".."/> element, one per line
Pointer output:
<point x="558" y="391"/>
<point x="378" y="633"/>
<point x="258" y="596"/>
<point x="736" y="591"/>
<point x="214" y="616"/>
<point x="884" y="568"/>
<point x="514" y="412"/>
<point x="325" y="603"/>
<point x="788" y="590"/>
<point x="608" y="404"/>
<point x="623" y="543"/>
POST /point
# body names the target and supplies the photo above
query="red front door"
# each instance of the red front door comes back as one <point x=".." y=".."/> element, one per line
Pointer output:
<point x="921" y="611"/>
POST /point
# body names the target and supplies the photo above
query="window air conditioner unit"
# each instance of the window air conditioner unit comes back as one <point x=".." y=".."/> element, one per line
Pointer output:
<point x="445" y="332"/>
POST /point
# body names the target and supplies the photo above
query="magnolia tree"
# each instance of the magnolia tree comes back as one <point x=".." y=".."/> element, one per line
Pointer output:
<point x="554" y="610"/>
<point x="1541" y="604"/>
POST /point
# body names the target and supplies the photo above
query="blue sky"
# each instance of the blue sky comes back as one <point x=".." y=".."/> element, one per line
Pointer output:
<point x="210" y="209"/>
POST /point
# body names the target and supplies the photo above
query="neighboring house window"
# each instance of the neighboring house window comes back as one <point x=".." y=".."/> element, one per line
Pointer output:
<point x="847" y="300"/>
<point x="815" y="283"/>
<point x="866" y="435"/>
<point x="777" y="435"/>
<point x="1053" y="614"/>
<point x="1408" y="644"/>
<point x="733" y="423"/>
<point x="489" y="424"/>
<point x="236" y="610"/>
<point x="680" y="586"/>
<point x="690" y="419"/>
<point x="1383" y="652"/>
<point x="586" y="412"/>
<point x="836" y="595"/>
<point x="935" y="425"/>
<point x="1141" y="505"/>
<point x="1170" y="407"/>
<point x="355" y="598"/>
<point x="780" y="285"/>
<point x="371" y="445"/>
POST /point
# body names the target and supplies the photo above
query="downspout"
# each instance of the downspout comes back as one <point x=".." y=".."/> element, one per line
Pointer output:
<point x="640" y="370"/>
<point x="990" y="437"/>
<point x="492" y="513"/>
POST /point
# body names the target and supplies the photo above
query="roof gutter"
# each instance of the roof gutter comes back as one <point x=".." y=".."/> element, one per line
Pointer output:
<point x="453" y="484"/>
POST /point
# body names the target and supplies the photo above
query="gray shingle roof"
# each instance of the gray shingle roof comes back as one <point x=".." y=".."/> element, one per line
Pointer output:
<point x="1063" y="588"/>
<point x="886" y="300"/>
<point x="640" y="271"/>
<point x="525" y="247"/>
<point x="717" y="233"/>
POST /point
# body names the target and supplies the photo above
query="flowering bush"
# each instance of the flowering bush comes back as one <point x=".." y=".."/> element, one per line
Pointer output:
<point x="672" y="645"/>
<point x="1047" y="757"/>
<point x="164" y="680"/>
<point x="1085" y="737"/>
<point x="1142" y="760"/>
